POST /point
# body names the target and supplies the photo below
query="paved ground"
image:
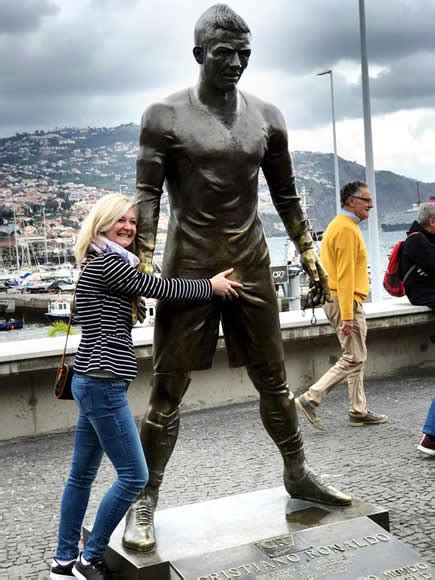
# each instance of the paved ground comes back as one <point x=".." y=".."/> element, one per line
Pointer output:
<point x="226" y="451"/>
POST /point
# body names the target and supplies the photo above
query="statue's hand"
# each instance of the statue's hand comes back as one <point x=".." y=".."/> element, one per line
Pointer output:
<point x="146" y="266"/>
<point x="138" y="310"/>
<point x="319" y="288"/>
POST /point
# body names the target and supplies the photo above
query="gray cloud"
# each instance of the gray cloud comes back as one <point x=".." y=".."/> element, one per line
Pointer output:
<point x="399" y="36"/>
<point x="410" y="78"/>
<point x="323" y="33"/>
<point x="22" y="16"/>
<point x="83" y="61"/>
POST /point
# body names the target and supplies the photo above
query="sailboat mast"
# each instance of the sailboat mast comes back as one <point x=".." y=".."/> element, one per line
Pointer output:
<point x="45" y="234"/>
<point x="16" y="239"/>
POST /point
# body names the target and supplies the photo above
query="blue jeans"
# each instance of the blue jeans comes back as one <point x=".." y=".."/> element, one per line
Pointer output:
<point x="105" y="425"/>
<point x="429" y="424"/>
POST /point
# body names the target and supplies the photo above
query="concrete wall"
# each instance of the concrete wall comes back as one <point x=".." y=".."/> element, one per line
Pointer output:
<point x="400" y="337"/>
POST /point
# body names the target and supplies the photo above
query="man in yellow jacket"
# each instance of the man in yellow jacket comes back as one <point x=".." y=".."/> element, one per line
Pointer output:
<point x="344" y="255"/>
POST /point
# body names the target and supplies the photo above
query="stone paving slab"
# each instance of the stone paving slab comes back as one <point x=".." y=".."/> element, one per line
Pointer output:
<point x="226" y="451"/>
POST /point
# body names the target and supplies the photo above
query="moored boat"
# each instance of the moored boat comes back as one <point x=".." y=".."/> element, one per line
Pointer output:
<point x="11" y="324"/>
<point x="58" y="310"/>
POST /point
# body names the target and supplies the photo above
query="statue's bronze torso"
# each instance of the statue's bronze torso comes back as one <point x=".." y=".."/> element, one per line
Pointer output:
<point x="211" y="174"/>
<point x="210" y="162"/>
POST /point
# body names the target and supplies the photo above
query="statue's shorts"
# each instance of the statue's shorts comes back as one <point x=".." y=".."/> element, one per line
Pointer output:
<point x="186" y="333"/>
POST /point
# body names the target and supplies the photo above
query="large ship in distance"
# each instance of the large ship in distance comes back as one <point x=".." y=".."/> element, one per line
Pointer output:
<point x="401" y="220"/>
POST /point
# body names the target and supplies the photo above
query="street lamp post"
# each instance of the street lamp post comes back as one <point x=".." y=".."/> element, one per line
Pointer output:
<point x="334" y="135"/>
<point x="375" y="268"/>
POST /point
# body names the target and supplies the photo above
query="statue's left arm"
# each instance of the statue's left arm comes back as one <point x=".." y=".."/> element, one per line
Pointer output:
<point x="278" y="170"/>
<point x="154" y="143"/>
<point x="150" y="174"/>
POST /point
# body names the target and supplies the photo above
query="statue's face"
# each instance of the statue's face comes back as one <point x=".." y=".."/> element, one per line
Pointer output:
<point x="224" y="59"/>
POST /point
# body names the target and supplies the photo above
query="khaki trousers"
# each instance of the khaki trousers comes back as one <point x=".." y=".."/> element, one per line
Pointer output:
<point x="350" y="366"/>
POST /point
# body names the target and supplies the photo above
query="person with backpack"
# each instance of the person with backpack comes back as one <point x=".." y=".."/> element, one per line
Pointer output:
<point x="417" y="259"/>
<point x="344" y="255"/>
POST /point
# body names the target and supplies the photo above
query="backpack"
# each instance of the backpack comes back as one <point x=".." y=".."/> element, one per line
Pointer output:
<point x="393" y="283"/>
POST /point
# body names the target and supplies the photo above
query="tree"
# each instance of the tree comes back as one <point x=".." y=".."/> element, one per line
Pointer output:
<point x="51" y="205"/>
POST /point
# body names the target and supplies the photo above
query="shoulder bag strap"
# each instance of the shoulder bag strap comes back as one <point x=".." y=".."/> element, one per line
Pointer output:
<point x="62" y="360"/>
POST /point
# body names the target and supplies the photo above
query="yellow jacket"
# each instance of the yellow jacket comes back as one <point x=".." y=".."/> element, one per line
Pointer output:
<point x="344" y="255"/>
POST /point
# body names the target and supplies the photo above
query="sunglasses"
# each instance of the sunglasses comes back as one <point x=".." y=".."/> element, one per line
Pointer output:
<point x="366" y="199"/>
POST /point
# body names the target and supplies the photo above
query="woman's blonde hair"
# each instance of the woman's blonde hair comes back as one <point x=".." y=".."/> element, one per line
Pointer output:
<point x="105" y="213"/>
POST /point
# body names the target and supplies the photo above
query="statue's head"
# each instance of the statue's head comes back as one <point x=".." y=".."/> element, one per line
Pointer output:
<point x="222" y="46"/>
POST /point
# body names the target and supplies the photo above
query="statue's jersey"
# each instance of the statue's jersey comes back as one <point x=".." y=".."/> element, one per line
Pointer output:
<point x="211" y="172"/>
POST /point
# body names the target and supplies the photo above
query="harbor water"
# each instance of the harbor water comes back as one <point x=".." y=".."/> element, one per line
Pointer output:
<point x="278" y="247"/>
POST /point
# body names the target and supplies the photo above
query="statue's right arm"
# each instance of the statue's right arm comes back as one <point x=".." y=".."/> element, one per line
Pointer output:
<point x="154" y="143"/>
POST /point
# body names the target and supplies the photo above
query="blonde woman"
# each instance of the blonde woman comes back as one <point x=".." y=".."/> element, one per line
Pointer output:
<point x="104" y="366"/>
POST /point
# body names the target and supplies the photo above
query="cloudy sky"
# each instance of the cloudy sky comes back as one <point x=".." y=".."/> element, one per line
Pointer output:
<point x="101" y="62"/>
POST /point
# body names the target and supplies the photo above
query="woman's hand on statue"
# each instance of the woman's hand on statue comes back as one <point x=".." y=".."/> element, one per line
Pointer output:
<point x="223" y="287"/>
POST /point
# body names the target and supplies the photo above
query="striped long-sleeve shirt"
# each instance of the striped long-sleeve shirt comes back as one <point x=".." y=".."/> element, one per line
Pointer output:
<point x="103" y="305"/>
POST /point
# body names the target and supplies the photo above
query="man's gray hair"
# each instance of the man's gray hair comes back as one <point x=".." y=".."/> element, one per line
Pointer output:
<point x="426" y="211"/>
<point x="215" y="17"/>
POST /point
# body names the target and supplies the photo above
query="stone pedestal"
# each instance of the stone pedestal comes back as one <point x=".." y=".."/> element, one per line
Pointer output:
<point x="355" y="549"/>
<point x="194" y="533"/>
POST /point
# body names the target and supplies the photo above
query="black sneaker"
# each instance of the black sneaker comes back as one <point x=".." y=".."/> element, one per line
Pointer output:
<point x="59" y="572"/>
<point x="93" y="570"/>
<point x="369" y="418"/>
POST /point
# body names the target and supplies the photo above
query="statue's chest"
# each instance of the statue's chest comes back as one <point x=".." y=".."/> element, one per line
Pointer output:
<point x="204" y="136"/>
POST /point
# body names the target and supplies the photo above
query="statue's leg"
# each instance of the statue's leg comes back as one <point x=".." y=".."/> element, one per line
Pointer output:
<point x="159" y="430"/>
<point x="278" y="413"/>
<point x="158" y="434"/>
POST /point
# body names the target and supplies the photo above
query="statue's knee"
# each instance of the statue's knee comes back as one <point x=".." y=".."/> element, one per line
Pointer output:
<point x="167" y="393"/>
<point x="269" y="378"/>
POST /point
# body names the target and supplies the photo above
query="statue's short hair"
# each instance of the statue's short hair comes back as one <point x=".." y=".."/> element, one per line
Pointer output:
<point x="426" y="211"/>
<point x="215" y="17"/>
<point x="349" y="190"/>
